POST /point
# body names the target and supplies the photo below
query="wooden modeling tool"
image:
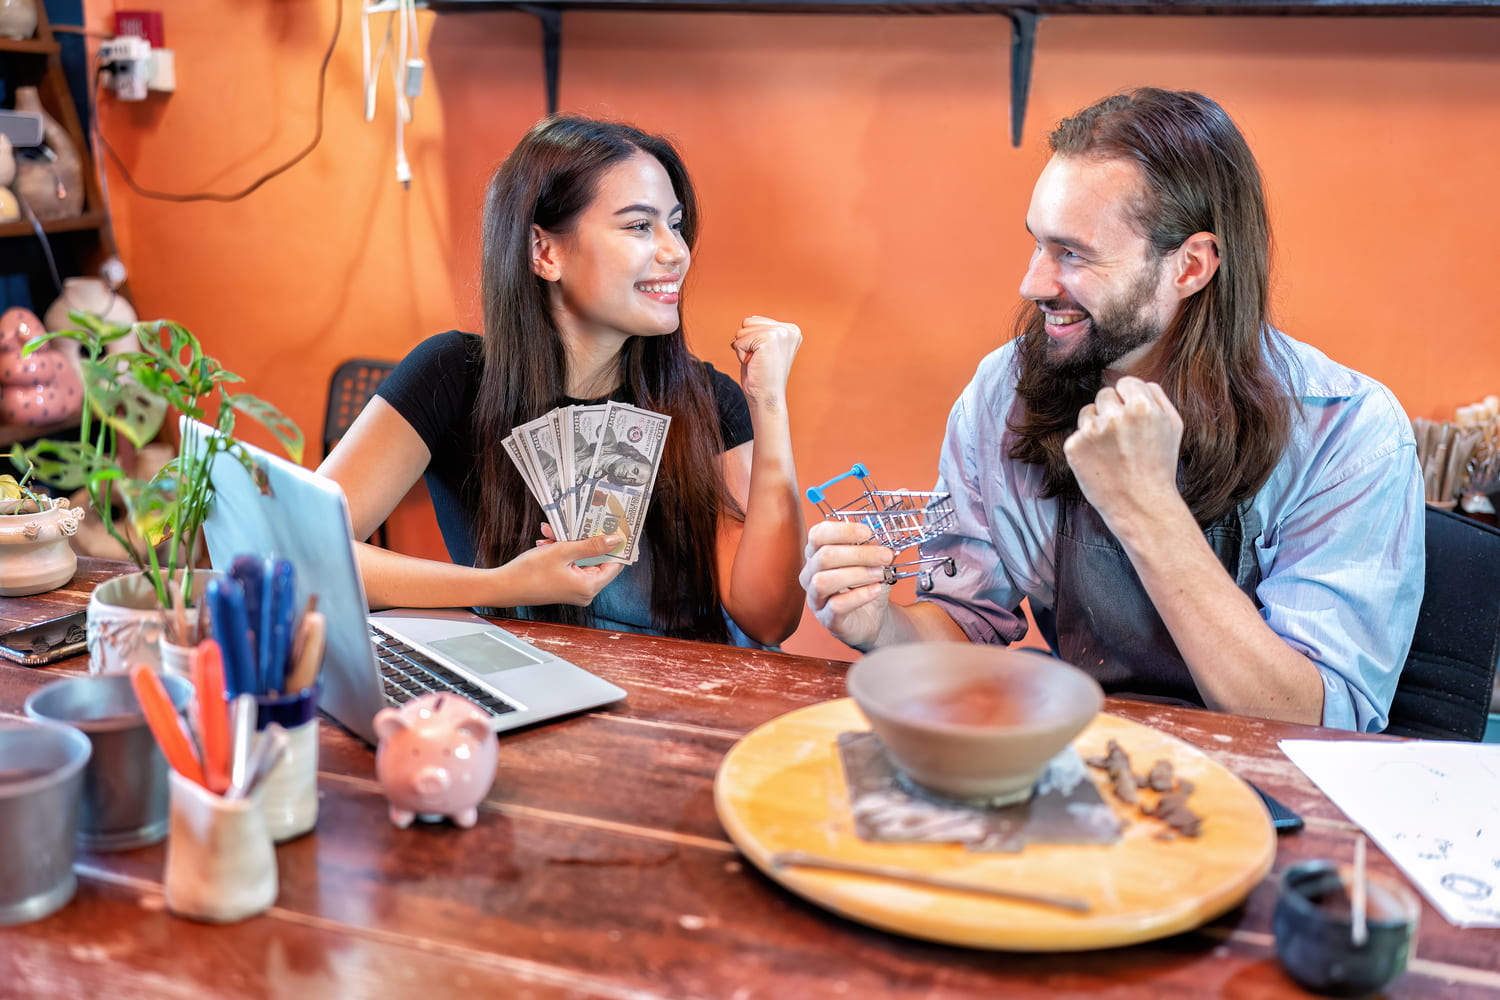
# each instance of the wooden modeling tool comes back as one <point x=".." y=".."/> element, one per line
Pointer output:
<point x="307" y="656"/>
<point x="800" y="859"/>
<point x="1359" y="931"/>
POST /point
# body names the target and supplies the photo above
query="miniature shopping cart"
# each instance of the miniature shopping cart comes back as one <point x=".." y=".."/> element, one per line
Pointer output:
<point x="899" y="519"/>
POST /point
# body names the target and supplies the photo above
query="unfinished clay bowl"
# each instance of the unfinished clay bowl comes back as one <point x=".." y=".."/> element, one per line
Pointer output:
<point x="970" y="721"/>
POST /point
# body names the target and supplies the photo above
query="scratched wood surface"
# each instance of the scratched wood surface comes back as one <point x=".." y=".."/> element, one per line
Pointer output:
<point x="599" y="869"/>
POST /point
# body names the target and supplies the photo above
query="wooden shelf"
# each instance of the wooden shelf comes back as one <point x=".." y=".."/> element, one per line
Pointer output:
<point x="11" y="433"/>
<point x="80" y="223"/>
<point x="82" y="243"/>
<point x="890" y="7"/>
<point x="34" y="46"/>
<point x="1023" y="17"/>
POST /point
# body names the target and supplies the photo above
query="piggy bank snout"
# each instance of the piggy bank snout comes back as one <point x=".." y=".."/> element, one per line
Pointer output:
<point x="431" y="780"/>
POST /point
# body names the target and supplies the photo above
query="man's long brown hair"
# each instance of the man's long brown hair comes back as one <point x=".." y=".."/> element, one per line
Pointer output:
<point x="1224" y="374"/>
<point x="549" y="179"/>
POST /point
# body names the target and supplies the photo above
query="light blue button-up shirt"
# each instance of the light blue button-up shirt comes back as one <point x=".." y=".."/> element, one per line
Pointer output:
<point x="1341" y="553"/>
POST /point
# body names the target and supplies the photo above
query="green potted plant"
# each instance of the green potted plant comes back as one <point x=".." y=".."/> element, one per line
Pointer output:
<point x="128" y="395"/>
<point x="34" y="530"/>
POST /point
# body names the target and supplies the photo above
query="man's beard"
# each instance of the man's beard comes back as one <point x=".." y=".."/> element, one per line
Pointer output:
<point x="1118" y="329"/>
<point x="1054" y="389"/>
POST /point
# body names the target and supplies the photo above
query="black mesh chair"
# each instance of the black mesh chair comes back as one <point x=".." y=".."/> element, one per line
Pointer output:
<point x="1445" y="687"/>
<point x="349" y="390"/>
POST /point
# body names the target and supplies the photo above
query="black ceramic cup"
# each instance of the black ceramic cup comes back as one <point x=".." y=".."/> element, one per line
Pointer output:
<point x="1314" y="930"/>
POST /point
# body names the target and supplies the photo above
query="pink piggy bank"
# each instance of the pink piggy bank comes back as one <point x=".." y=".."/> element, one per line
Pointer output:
<point x="436" y="758"/>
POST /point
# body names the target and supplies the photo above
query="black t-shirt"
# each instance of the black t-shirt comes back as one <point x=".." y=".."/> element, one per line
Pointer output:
<point x="436" y="387"/>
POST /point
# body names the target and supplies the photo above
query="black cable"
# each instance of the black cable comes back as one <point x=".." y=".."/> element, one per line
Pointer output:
<point x="130" y="182"/>
<point x="36" y="224"/>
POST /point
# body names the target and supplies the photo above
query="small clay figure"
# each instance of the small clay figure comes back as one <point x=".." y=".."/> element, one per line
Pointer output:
<point x="1117" y="765"/>
<point x="1172" y="810"/>
<point x="1159" y="778"/>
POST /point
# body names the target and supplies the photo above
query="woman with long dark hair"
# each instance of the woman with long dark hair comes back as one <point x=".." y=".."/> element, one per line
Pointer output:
<point x="588" y="234"/>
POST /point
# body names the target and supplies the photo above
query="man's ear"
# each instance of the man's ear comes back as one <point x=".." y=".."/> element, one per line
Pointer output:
<point x="545" y="254"/>
<point x="1197" y="263"/>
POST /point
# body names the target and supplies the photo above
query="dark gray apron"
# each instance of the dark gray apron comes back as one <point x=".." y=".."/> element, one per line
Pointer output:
<point x="1104" y="622"/>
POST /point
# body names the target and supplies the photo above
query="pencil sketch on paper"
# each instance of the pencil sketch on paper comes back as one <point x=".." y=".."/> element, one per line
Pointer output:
<point x="1432" y="807"/>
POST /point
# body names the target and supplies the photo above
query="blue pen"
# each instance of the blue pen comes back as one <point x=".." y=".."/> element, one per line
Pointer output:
<point x="250" y="571"/>
<point x="231" y="629"/>
<point x="278" y="608"/>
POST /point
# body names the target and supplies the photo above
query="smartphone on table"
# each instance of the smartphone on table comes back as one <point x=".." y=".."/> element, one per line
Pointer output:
<point x="46" y="642"/>
<point x="1283" y="820"/>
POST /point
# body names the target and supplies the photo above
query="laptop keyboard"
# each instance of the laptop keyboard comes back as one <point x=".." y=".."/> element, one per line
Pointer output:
<point x="408" y="673"/>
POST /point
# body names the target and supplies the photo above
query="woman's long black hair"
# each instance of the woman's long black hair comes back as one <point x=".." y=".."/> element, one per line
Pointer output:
<point x="550" y="177"/>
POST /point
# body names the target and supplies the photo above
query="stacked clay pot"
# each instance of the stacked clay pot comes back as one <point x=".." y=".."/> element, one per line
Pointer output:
<point x="38" y="390"/>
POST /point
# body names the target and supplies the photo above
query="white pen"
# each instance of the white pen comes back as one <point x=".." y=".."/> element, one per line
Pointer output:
<point x="242" y="732"/>
<point x="269" y="746"/>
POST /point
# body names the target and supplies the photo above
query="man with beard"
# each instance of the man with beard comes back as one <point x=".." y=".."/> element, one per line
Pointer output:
<point x="1200" y="509"/>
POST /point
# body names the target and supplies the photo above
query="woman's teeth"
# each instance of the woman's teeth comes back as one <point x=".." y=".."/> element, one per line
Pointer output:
<point x="660" y="287"/>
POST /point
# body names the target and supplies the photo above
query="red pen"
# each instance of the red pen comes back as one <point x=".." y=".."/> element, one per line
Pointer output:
<point x="213" y="714"/>
<point x="161" y="716"/>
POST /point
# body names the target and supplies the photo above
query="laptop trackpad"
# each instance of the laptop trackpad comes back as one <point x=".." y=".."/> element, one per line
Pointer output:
<point x="484" y="652"/>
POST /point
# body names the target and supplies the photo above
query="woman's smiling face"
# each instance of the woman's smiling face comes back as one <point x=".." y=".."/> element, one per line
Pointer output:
<point x="618" y="272"/>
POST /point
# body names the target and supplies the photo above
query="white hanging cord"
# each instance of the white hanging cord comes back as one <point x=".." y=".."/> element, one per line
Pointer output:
<point x="407" y="67"/>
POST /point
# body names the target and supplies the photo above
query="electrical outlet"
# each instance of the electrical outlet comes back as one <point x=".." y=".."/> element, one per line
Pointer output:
<point x="127" y="59"/>
<point x="163" y="78"/>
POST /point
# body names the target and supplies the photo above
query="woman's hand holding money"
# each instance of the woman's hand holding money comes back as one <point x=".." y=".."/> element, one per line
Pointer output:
<point x="548" y="574"/>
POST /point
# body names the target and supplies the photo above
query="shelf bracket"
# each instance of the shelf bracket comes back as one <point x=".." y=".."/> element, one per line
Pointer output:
<point x="1022" y="48"/>
<point x="551" y="19"/>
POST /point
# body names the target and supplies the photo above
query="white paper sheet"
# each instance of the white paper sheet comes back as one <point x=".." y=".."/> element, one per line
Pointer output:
<point x="1433" y="807"/>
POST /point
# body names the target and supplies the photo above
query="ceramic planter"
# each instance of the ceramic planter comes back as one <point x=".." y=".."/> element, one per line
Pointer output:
<point x="35" y="556"/>
<point x="126" y="624"/>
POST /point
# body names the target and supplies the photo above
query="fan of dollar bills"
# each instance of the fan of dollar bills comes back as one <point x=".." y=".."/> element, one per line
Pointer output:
<point x="592" y="468"/>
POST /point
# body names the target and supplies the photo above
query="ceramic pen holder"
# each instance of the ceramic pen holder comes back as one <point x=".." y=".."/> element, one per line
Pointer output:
<point x="1315" y="942"/>
<point x="290" y="792"/>
<point x="221" y="865"/>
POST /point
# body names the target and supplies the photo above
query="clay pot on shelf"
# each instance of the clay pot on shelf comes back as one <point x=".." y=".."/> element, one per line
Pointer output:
<point x="49" y="180"/>
<point x="18" y="20"/>
<point x="35" y="556"/>
<point x="10" y="209"/>
<point x="92" y="296"/>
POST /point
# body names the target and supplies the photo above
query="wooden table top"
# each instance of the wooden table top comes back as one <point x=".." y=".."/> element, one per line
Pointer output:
<point x="599" y="868"/>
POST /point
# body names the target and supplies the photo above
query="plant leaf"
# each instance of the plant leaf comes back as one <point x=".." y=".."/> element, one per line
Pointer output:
<point x="130" y="408"/>
<point x="268" y="416"/>
<point x="65" y="464"/>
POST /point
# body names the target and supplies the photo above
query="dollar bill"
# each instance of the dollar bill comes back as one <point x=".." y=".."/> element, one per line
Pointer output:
<point x="622" y="476"/>
<point x="538" y="443"/>
<point x="585" y="425"/>
<point x="514" y="451"/>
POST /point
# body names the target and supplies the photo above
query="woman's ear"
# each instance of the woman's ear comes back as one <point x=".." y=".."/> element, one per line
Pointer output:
<point x="1198" y="262"/>
<point x="545" y="254"/>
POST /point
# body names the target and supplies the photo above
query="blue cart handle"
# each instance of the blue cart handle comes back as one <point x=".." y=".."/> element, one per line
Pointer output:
<point x="815" y="493"/>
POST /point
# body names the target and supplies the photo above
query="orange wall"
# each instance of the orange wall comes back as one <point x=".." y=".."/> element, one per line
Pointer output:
<point x="857" y="178"/>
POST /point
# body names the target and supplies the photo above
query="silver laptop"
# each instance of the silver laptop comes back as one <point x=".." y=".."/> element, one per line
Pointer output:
<point x="386" y="658"/>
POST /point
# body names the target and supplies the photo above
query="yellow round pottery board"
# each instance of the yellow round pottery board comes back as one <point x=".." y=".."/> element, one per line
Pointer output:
<point x="781" y="788"/>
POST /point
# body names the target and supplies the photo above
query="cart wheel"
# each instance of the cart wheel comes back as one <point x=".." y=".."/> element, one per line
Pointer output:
<point x="888" y="575"/>
<point x="950" y="567"/>
<point x="925" y="582"/>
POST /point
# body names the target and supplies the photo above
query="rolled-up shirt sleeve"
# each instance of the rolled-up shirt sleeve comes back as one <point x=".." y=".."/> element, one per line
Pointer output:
<point x="1344" y="550"/>
<point x="1000" y="539"/>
